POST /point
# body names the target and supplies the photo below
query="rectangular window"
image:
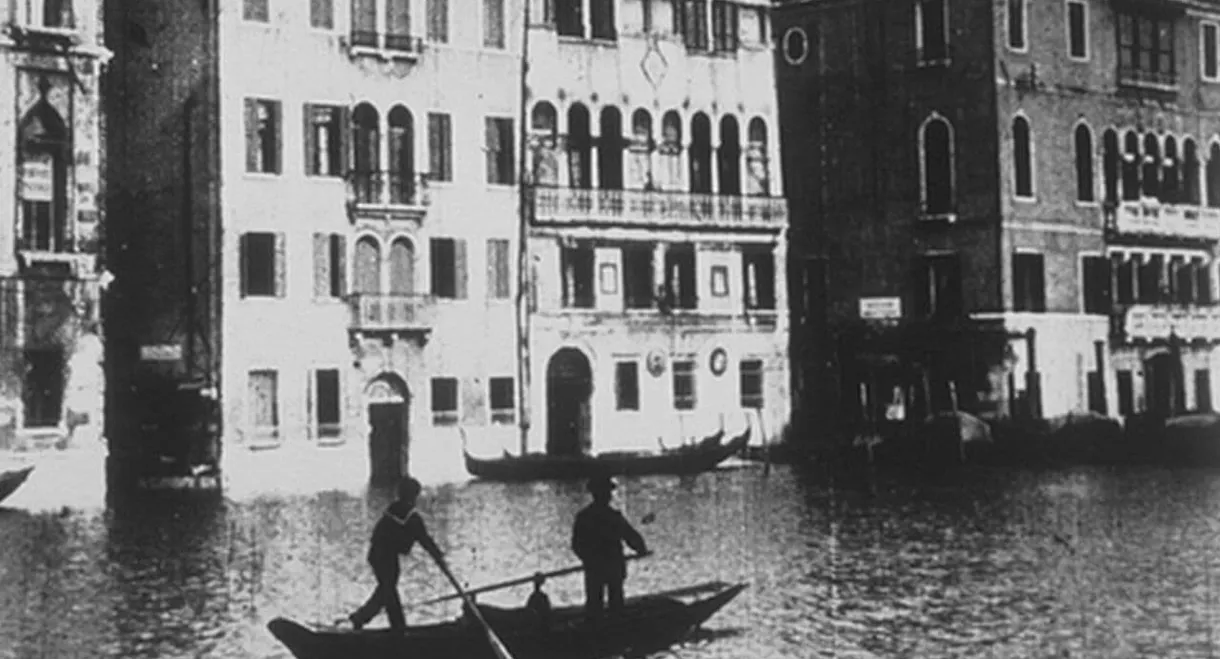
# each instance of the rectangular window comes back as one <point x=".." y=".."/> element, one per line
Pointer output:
<point x="751" y="383"/>
<point x="694" y="24"/>
<point x="500" y="166"/>
<point x="1126" y="392"/>
<point x="323" y="140"/>
<point x="330" y="265"/>
<point x="1016" y="24"/>
<point x="626" y="386"/>
<point x="758" y="273"/>
<point x="503" y="408"/>
<point x="638" y="291"/>
<point x="448" y="258"/>
<point x="440" y="146"/>
<point x="684" y="385"/>
<point x="1124" y="279"/>
<point x="1203" y="283"/>
<point x="931" y="38"/>
<point x="438" y="21"/>
<point x="326" y="402"/>
<point x="1078" y="30"/>
<point x="607" y="279"/>
<point x="493" y="23"/>
<point x="1211" y="71"/>
<point x="602" y="13"/>
<point x="322" y="14"/>
<point x="720" y="281"/>
<point x="1145" y="49"/>
<point x="262" y="136"/>
<point x="1203" y="390"/>
<point x="1096" y="284"/>
<point x="398" y="25"/>
<point x="569" y="19"/>
<point x="444" y="401"/>
<point x="1028" y="280"/>
<point x="364" y="23"/>
<point x="577" y="263"/>
<point x="262" y="264"/>
<point x="256" y="10"/>
<point x="680" y="290"/>
<point x="499" y="277"/>
<point x="1097" y="402"/>
<point x="939" y="286"/>
<point x="264" y="400"/>
<point x="725" y="26"/>
<point x="43" y="393"/>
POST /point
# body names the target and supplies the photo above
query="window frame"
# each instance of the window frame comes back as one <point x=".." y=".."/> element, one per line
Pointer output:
<point x="921" y="59"/>
<point x="485" y="41"/>
<point x="504" y="156"/>
<point x="1031" y="157"/>
<point x="329" y="24"/>
<point x="922" y="136"/>
<point x="743" y="374"/>
<point x="1026" y="298"/>
<point x="276" y="271"/>
<point x="1092" y="163"/>
<point x="320" y="428"/>
<point x="503" y="415"/>
<point x="1008" y="31"/>
<point x="444" y="417"/>
<point x="684" y="369"/>
<point x="273" y="429"/>
<point x="627" y="399"/>
<point x="1215" y="55"/>
<point x="1084" y="29"/>
<point x="253" y="131"/>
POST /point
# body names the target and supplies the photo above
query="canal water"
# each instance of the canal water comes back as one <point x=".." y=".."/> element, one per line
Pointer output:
<point x="976" y="563"/>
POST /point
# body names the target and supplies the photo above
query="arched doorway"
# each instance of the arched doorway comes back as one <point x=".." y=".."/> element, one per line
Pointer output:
<point x="389" y="440"/>
<point x="569" y="388"/>
<point x="1159" y="384"/>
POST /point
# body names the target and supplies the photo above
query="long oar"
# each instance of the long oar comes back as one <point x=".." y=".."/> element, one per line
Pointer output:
<point x="497" y="646"/>
<point x="515" y="582"/>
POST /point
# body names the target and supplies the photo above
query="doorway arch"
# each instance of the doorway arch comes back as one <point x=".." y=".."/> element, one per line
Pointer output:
<point x="388" y="405"/>
<point x="569" y="391"/>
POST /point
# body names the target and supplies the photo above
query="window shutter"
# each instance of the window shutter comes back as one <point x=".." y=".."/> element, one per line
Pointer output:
<point x="278" y="155"/>
<point x="345" y="140"/>
<point x="311" y="139"/>
<point x="281" y="283"/>
<point x="1039" y="282"/>
<point x="459" y="269"/>
<point x="244" y="263"/>
<point x="341" y="263"/>
<point x="492" y="140"/>
<point x="251" y="135"/>
<point x="321" y="265"/>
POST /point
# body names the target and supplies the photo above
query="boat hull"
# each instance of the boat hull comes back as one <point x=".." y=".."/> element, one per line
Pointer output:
<point x="13" y="479"/>
<point x="686" y="460"/>
<point x="646" y="624"/>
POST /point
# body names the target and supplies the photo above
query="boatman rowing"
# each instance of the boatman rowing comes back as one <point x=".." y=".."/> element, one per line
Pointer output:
<point x="597" y="538"/>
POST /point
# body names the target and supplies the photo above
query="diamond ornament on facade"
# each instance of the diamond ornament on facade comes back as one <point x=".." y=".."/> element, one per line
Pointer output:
<point x="653" y="64"/>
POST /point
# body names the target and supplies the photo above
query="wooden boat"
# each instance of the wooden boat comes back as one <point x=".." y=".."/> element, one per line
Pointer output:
<point x="691" y="459"/>
<point x="646" y="624"/>
<point x="12" y="479"/>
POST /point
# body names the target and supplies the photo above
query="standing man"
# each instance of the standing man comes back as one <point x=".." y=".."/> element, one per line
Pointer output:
<point x="399" y="528"/>
<point x="597" y="538"/>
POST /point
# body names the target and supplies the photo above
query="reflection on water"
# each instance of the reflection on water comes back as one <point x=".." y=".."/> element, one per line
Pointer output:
<point x="998" y="563"/>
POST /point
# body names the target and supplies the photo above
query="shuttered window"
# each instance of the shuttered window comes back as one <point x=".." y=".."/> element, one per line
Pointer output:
<point x="263" y="136"/>
<point x="499" y="284"/>
<point x="322" y="14"/>
<point x="262" y="265"/>
<point x="438" y="21"/>
<point x="324" y="144"/>
<point x="493" y="23"/>
<point x="330" y="265"/>
<point x="448" y="257"/>
<point x="440" y="146"/>
<point x="499" y="134"/>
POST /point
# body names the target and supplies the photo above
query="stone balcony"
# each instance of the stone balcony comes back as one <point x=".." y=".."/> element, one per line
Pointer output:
<point x="391" y="314"/>
<point x="387" y="196"/>
<point x="1149" y="217"/>
<point x="654" y="209"/>
<point x="1148" y="322"/>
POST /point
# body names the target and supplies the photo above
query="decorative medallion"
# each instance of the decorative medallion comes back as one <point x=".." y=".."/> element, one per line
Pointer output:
<point x="656" y="362"/>
<point x="795" y="45"/>
<point x="718" y="362"/>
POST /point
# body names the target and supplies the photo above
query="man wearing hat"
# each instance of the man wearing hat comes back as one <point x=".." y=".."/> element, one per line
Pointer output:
<point x="597" y="538"/>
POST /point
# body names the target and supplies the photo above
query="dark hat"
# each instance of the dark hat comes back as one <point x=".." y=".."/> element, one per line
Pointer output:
<point x="409" y="488"/>
<point x="601" y="484"/>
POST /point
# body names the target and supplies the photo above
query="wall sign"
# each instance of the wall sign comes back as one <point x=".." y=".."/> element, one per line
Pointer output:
<point x="880" y="308"/>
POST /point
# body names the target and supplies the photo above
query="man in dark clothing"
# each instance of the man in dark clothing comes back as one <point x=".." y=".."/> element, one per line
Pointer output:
<point x="597" y="538"/>
<point x="399" y="528"/>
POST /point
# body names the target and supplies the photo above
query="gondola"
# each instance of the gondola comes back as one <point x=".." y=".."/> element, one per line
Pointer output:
<point x="12" y="479"/>
<point x="691" y="459"/>
<point x="646" y="624"/>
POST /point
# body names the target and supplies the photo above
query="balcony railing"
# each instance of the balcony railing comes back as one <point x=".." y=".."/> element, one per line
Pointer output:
<point x="651" y="208"/>
<point x="1161" y="80"/>
<point x="1189" y="323"/>
<point x="1151" y="217"/>
<point x="390" y="44"/>
<point x="389" y="312"/>
<point x="395" y="193"/>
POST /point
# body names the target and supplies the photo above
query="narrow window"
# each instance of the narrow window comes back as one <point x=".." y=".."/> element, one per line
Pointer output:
<point x="402" y="267"/>
<point x="1213" y="176"/>
<point x="258" y="264"/>
<point x="398" y="25"/>
<point x="503" y="407"/>
<point x="937" y="167"/>
<point x="323" y="140"/>
<point x="725" y="26"/>
<point x="329" y="265"/>
<point x="1109" y="166"/>
<point x="444" y="401"/>
<point x="1097" y="401"/>
<point x="252" y="10"/>
<point x="440" y="146"/>
<point x="1203" y="390"/>
<point x="751" y="383"/>
<point x="701" y="154"/>
<point x="322" y="14"/>
<point x="1190" y="173"/>
<point x="43" y="179"/>
<point x="1126" y="392"/>
<point x="757" y="177"/>
<point x="1203" y="283"/>
<point x="401" y="152"/>
<point x="43" y="393"/>
<point x="684" y="385"/>
<point x="1151" y="174"/>
<point x="603" y="19"/>
<point x="1016" y="24"/>
<point x="262" y="136"/>
<point x="448" y="258"/>
<point x="1096" y="283"/>
<point x="569" y="18"/>
<point x="607" y="279"/>
<point x="720" y="281"/>
<point x="1210" y="69"/>
<point x="580" y="147"/>
<point x="1131" y="166"/>
<point x="1078" y="35"/>
<point x="438" y="21"/>
<point x="939" y="286"/>
<point x="1171" y="191"/>
<point x="610" y="150"/>
<point x="626" y="386"/>
<point x="638" y="292"/>
<point x="577" y="264"/>
<point x="1124" y="279"/>
<point x="326" y="402"/>
<point x="1022" y="158"/>
<point x="500" y="166"/>
<point x="338" y="265"/>
<point x="264" y="400"/>
<point x="729" y="157"/>
<point x="498" y="271"/>
<point x="758" y="273"/>
<point x="368" y="266"/>
<point x="364" y="23"/>
<point x="694" y="25"/>
<point x="1029" y="287"/>
<point x="680" y="277"/>
<point x="1084" y="164"/>
<point x="493" y="23"/>
<point x="931" y="38"/>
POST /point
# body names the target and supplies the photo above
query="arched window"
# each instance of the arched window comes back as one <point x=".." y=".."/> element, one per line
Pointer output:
<point x="937" y="146"/>
<point x="1131" y="166"/>
<point x="1109" y="165"/>
<point x="757" y="177"/>
<point x="580" y="146"/>
<point x="1084" y="163"/>
<point x="368" y="266"/>
<point x="43" y="184"/>
<point x="729" y="157"/>
<point x="1171" y="191"/>
<point x="543" y="129"/>
<point x="366" y="142"/>
<point x="1152" y="166"/>
<point x="701" y="154"/>
<point x="610" y="150"/>
<point x="402" y="267"/>
<point x="641" y="151"/>
<point x="1190" y="173"/>
<point x="669" y="154"/>
<point x="1213" y="176"/>
<point x="402" y="156"/>
<point x="1023" y="166"/>
<point x="543" y="121"/>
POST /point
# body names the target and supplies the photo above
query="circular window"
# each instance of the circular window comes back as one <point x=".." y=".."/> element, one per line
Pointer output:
<point x="795" y="45"/>
<point x="719" y="362"/>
